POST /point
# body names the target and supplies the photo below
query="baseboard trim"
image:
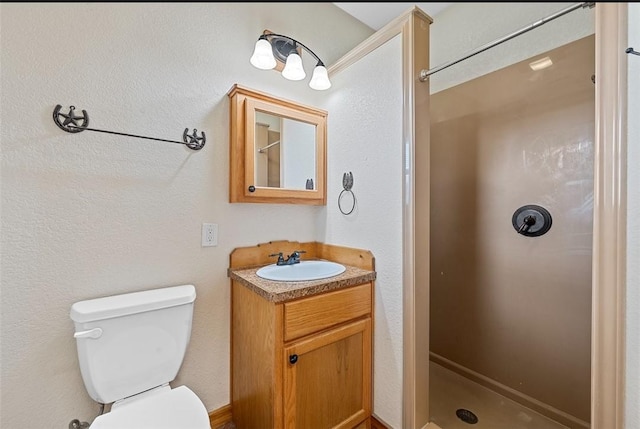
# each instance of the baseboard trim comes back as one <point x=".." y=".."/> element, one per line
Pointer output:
<point x="519" y="397"/>
<point x="377" y="424"/>
<point x="220" y="417"/>
<point x="224" y="415"/>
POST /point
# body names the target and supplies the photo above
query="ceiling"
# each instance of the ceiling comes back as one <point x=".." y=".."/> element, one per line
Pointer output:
<point x="377" y="15"/>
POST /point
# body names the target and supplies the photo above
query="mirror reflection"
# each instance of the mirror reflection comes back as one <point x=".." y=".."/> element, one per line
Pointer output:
<point x="285" y="152"/>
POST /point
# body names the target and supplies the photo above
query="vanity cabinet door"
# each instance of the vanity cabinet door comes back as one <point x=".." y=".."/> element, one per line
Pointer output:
<point x="327" y="379"/>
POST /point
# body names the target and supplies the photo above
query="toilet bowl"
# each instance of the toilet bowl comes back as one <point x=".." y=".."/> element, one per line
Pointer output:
<point x="130" y="347"/>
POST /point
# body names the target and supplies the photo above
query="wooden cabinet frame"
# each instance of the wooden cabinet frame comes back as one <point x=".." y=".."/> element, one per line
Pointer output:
<point x="244" y="103"/>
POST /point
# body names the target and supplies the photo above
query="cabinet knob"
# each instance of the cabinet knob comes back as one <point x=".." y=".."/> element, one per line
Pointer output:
<point x="293" y="359"/>
<point x="252" y="188"/>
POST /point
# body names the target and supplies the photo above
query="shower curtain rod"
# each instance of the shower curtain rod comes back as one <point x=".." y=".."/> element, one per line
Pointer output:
<point x="424" y="74"/>
<point x="262" y="149"/>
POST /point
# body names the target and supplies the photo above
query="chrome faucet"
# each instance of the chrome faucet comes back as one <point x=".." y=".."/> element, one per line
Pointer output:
<point x="294" y="258"/>
<point x="280" y="258"/>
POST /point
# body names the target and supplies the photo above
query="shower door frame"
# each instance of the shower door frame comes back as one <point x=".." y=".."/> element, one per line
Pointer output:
<point x="610" y="219"/>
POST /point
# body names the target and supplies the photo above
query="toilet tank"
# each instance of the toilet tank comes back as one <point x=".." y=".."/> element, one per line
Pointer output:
<point x="132" y="342"/>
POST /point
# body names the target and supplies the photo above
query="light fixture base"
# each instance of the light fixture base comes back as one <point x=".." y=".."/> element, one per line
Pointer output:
<point x="282" y="46"/>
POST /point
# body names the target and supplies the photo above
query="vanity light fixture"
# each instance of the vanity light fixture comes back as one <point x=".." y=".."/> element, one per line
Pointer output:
<point x="271" y="48"/>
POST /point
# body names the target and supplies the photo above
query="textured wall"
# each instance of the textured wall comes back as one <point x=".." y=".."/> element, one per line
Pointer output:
<point x="369" y="94"/>
<point x="633" y="232"/>
<point x="92" y="214"/>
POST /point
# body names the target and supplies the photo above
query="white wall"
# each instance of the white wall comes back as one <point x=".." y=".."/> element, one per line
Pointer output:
<point x="633" y="228"/>
<point x="92" y="214"/>
<point x="365" y="135"/>
<point x="464" y="27"/>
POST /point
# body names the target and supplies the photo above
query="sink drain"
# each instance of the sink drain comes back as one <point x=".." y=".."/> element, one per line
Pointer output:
<point x="467" y="416"/>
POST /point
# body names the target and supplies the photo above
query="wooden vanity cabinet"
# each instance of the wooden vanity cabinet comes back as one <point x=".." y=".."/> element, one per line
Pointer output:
<point x="302" y="363"/>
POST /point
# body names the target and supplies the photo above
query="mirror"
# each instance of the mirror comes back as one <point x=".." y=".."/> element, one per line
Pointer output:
<point x="278" y="150"/>
<point x="284" y="152"/>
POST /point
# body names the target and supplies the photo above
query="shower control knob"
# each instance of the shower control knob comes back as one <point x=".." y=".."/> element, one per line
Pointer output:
<point x="527" y="223"/>
<point x="531" y="220"/>
<point x="293" y="359"/>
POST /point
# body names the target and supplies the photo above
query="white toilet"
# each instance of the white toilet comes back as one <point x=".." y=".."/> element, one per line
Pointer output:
<point x="130" y="347"/>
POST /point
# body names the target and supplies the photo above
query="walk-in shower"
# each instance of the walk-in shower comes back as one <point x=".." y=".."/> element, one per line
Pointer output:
<point x="510" y="311"/>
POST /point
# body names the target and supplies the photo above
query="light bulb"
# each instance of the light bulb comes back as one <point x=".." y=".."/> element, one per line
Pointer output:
<point x="293" y="69"/>
<point x="262" y="57"/>
<point x="320" y="78"/>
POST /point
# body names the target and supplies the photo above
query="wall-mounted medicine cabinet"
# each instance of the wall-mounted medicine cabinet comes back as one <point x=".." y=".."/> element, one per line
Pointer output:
<point x="277" y="150"/>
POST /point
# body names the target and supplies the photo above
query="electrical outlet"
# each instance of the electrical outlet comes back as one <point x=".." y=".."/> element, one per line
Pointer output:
<point x="209" y="234"/>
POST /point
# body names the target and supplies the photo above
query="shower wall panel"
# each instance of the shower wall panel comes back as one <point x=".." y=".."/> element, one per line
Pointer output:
<point x="512" y="308"/>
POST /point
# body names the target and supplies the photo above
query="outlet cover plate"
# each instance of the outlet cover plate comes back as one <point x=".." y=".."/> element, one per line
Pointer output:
<point x="209" y="234"/>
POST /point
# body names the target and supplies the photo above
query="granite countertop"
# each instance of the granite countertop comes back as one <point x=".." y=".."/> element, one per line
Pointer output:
<point x="280" y="291"/>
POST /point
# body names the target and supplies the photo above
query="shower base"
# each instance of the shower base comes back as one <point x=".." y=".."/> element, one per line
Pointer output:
<point x="450" y="392"/>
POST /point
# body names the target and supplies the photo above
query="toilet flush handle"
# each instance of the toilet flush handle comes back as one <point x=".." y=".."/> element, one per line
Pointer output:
<point x="91" y="333"/>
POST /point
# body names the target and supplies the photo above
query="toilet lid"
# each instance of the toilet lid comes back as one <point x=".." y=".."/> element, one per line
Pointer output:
<point x="177" y="408"/>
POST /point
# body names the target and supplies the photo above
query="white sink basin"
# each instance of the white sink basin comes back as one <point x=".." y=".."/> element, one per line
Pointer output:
<point x="303" y="271"/>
